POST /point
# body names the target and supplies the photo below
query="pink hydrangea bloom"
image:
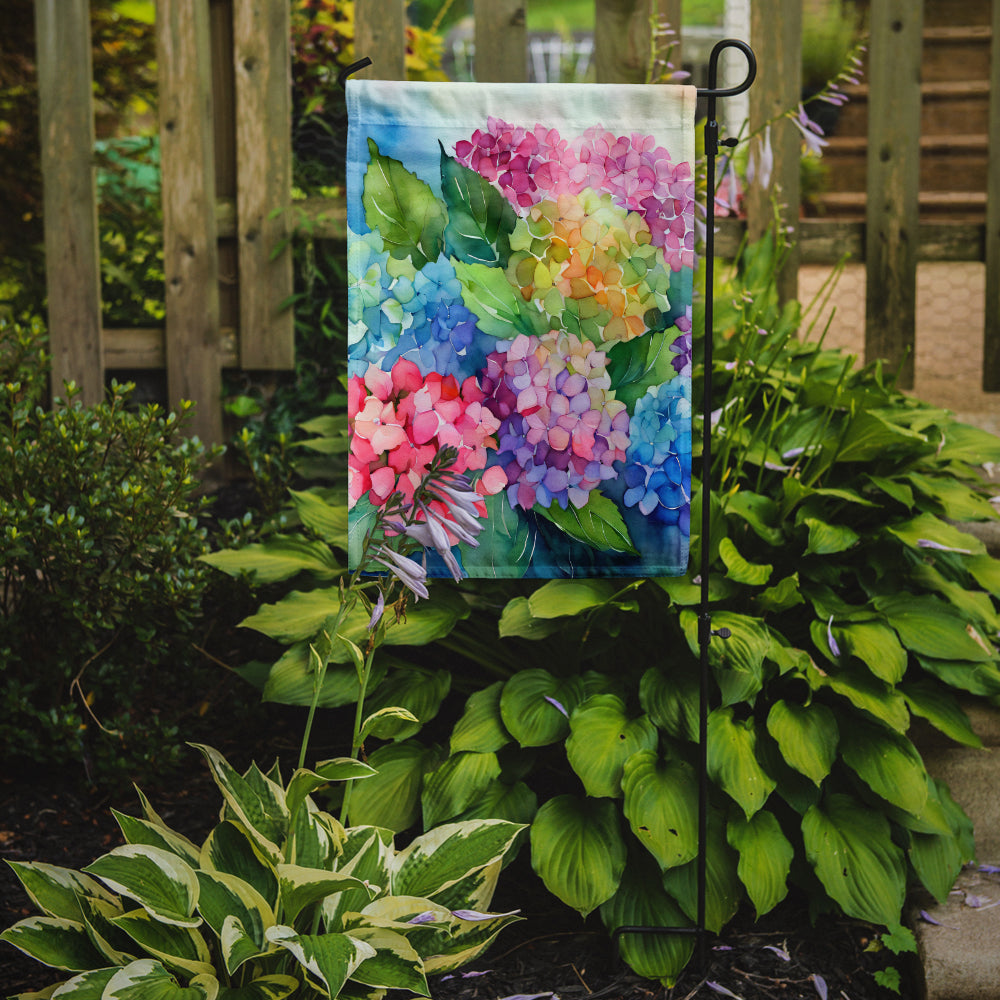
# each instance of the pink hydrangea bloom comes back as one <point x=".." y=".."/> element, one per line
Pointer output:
<point x="399" y="421"/>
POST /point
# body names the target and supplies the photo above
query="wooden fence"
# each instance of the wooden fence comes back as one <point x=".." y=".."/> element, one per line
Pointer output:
<point x="226" y="161"/>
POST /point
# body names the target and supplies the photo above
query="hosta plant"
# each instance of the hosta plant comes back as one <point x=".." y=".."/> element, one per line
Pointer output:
<point x="279" y="900"/>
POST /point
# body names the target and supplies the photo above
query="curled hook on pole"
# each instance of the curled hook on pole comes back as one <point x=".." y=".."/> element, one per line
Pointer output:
<point x="352" y="68"/>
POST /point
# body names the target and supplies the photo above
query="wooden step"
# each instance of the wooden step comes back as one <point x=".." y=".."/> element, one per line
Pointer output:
<point x="957" y="206"/>
<point x="938" y="13"/>
<point x="956" y="53"/>
<point x="947" y="106"/>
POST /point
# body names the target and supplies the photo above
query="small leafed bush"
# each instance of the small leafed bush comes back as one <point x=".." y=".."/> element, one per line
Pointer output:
<point x="280" y="899"/>
<point x="99" y="575"/>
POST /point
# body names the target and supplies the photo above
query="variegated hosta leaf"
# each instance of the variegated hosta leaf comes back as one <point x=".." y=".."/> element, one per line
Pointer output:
<point x="732" y="760"/>
<point x="441" y="857"/>
<point x="765" y="858"/>
<point x="661" y="800"/>
<point x="54" y="941"/>
<point x="230" y="849"/>
<point x="578" y="851"/>
<point x="304" y="782"/>
<point x="238" y="944"/>
<point x="395" y="964"/>
<point x="329" y="959"/>
<point x="602" y="737"/>
<point x="116" y="947"/>
<point x="177" y="947"/>
<point x="56" y="891"/>
<point x="300" y="887"/>
<point x="807" y="736"/>
<point x="256" y="801"/>
<point x="367" y="853"/>
<point x="141" y="831"/>
<point x="275" y="987"/>
<point x="468" y="939"/>
<point x="475" y="891"/>
<point x="851" y="849"/>
<point x="642" y="902"/>
<point x="147" y="979"/>
<point x="86" y="986"/>
<point x="225" y="897"/>
<point x="158" y="880"/>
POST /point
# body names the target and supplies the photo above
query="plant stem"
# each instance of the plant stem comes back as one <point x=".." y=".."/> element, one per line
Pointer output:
<point x="356" y="738"/>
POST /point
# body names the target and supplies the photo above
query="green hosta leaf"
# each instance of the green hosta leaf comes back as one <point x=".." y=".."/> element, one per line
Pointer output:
<point x="738" y="569"/>
<point x="528" y="710"/>
<point x="292" y="680"/>
<point x="888" y="763"/>
<point x="387" y="722"/>
<point x="723" y="889"/>
<point x="230" y="849"/>
<point x="225" y="897"/>
<point x="965" y="443"/>
<point x="395" y="964"/>
<point x="147" y="979"/>
<point x="496" y="303"/>
<point x="671" y="699"/>
<point x="738" y="661"/>
<point x="932" y="628"/>
<point x="238" y="944"/>
<point x="870" y="436"/>
<point x="456" y="784"/>
<point x="559" y="598"/>
<point x="98" y="914"/>
<point x="941" y="709"/>
<point x="783" y="595"/>
<point x="274" y="987"/>
<point x="163" y="884"/>
<point x="304" y="782"/>
<point x="986" y="572"/>
<point x="141" y="831"/>
<point x="327" y="520"/>
<point x="578" y="851"/>
<point x="807" y="736"/>
<point x="598" y="524"/>
<point x="180" y="948"/>
<point x="330" y="959"/>
<point x="301" y="887"/>
<point x="876" y="646"/>
<point x="641" y="901"/>
<point x="660" y="805"/>
<point x="975" y="605"/>
<point x="403" y="209"/>
<point x="515" y="803"/>
<point x="732" y="760"/>
<point x="480" y="219"/>
<point x="418" y="690"/>
<point x="828" y="539"/>
<point x="893" y="488"/>
<point x="279" y="558"/>
<point x="481" y="728"/>
<point x="56" y="891"/>
<point x="865" y="692"/>
<point x="937" y="858"/>
<point x="391" y="798"/>
<point x="601" y="739"/>
<point x="760" y="512"/>
<point x="438" y="859"/>
<point x="516" y="620"/>
<point x="976" y="678"/>
<point x="765" y="858"/>
<point x="928" y="528"/>
<point x="957" y="501"/>
<point x="54" y="941"/>
<point x="850" y="847"/>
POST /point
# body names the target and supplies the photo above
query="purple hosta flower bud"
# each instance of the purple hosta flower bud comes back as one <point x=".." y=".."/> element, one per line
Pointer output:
<point x="410" y="573"/>
<point x="782" y="953"/>
<point x="377" y="612"/>
<point x="811" y="132"/>
<point x="431" y="535"/>
<point x="761" y="163"/>
<point x="927" y="543"/>
<point x="427" y="917"/>
<point x="719" y="988"/>
<point x="834" y="648"/>
<point x="475" y="915"/>
<point x="557" y="704"/>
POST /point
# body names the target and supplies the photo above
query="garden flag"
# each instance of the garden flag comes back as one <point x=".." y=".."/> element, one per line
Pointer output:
<point x="520" y="264"/>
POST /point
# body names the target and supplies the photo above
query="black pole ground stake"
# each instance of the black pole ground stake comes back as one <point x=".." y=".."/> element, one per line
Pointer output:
<point x="705" y="631"/>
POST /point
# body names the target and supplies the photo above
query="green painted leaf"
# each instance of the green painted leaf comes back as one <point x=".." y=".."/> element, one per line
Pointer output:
<point x="506" y="543"/>
<point x="328" y="520"/>
<point x="403" y="209"/>
<point x="395" y="964"/>
<point x="480" y="219"/>
<point x="732" y="760"/>
<point x="827" y="539"/>
<point x="456" y="784"/>
<point x="936" y="704"/>
<point x="602" y="738"/>
<point x="807" y="736"/>
<point x="497" y="304"/>
<point x="56" y="891"/>
<point x="577" y="850"/>
<point x="932" y="628"/>
<point x="527" y="709"/>
<point x="641" y="901"/>
<point x="54" y="941"/>
<point x="391" y="798"/>
<point x="281" y="557"/>
<point x="640" y="364"/>
<point x="671" y="699"/>
<point x="481" y="728"/>
<point x="330" y="958"/>
<point x="850" y="848"/>
<point x="598" y="524"/>
<point x="661" y="798"/>
<point x="147" y="979"/>
<point x="888" y="763"/>
<point x="738" y="569"/>
<point x="159" y="881"/>
<point x="179" y="948"/>
<point x="765" y="858"/>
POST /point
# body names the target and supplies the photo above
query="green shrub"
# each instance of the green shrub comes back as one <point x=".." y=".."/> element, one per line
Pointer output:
<point x="99" y="540"/>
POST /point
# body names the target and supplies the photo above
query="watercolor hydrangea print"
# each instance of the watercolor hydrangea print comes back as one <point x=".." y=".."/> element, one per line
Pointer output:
<point x="521" y="292"/>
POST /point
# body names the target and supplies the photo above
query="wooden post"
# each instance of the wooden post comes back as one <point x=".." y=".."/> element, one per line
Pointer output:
<point x="380" y="34"/>
<point x="776" y="30"/>
<point x="991" y="333"/>
<point x="893" y="183"/>
<point x="622" y="40"/>
<point x="190" y="254"/>
<point x="72" y="256"/>
<point x="261" y="41"/>
<point x="501" y="41"/>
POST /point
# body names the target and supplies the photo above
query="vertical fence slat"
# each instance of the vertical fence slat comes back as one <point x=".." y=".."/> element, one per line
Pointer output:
<point x="622" y="40"/>
<point x="261" y="41"/>
<point x="893" y="183"/>
<point x="380" y="34"/>
<point x="668" y="15"/>
<point x="72" y="257"/>
<point x="190" y="254"/>
<point x="776" y="33"/>
<point x="991" y="332"/>
<point x="501" y="41"/>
